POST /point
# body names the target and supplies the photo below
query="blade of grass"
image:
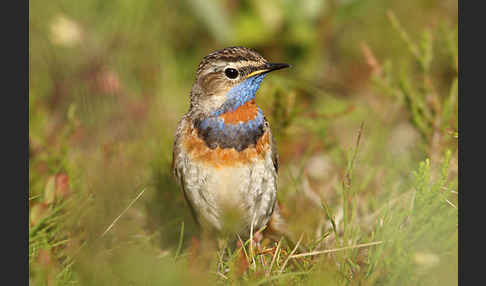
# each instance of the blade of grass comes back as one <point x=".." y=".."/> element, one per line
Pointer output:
<point x="346" y="185"/>
<point x="293" y="251"/>
<point x="123" y="212"/>
<point x="274" y="256"/>
<point x="334" y="250"/>
<point x="181" y="237"/>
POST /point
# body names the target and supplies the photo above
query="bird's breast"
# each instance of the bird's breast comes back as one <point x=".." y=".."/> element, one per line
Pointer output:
<point x="199" y="150"/>
<point x="236" y="129"/>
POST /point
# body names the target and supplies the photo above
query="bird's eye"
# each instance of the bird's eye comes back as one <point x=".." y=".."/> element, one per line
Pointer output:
<point x="231" y="73"/>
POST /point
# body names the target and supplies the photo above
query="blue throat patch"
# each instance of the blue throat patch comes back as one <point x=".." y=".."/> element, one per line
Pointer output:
<point x="215" y="132"/>
<point x="240" y="94"/>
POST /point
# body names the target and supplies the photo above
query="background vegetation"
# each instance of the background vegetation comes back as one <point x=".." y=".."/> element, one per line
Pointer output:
<point x="365" y="121"/>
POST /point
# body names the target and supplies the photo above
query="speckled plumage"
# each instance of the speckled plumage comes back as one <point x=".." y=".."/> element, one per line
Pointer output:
<point x="224" y="156"/>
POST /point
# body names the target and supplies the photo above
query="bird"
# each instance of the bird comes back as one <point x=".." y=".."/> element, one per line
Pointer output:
<point x="224" y="155"/>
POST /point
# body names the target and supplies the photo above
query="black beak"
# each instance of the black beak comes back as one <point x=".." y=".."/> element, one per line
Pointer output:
<point x="275" y="66"/>
<point x="268" y="67"/>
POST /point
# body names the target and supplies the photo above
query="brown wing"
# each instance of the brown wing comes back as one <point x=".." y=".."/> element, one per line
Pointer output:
<point x="273" y="146"/>
<point x="178" y="174"/>
<point x="181" y="128"/>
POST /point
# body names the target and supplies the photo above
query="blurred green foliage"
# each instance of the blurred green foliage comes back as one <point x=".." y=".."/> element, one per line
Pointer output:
<point x="110" y="79"/>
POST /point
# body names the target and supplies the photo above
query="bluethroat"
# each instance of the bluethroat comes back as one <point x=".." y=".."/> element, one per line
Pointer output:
<point x="224" y="156"/>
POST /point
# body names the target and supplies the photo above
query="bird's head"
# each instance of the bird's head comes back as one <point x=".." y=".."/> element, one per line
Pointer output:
<point x="227" y="79"/>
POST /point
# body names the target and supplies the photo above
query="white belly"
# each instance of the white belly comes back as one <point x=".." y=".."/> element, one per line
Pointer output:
<point x="241" y="194"/>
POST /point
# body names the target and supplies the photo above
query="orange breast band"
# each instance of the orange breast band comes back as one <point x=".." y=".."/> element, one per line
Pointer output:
<point x="218" y="157"/>
<point x="243" y="113"/>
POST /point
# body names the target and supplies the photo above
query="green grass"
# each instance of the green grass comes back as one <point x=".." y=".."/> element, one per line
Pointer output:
<point x="365" y="122"/>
